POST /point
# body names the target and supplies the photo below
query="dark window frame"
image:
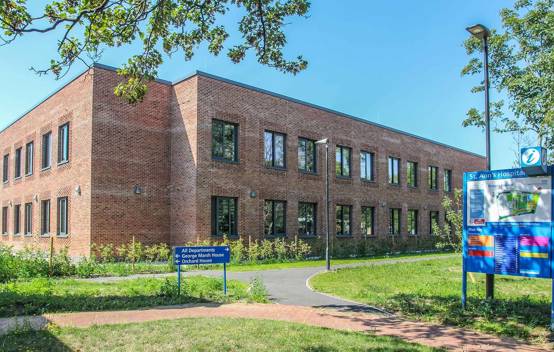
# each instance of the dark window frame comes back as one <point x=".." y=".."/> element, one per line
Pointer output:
<point x="6" y="168"/>
<point x="17" y="219"/>
<point x="413" y="222"/>
<point x="235" y="158"/>
<point x="63" y="143"/>
<point x="302" y="225"/>
<point x="447" y="180"/>
<point x="393" y="178"/>
<point x="271" y="163"/>
<point x="232" y="223"/>
<point x="17" y="163"/>
<point x="363" y="220"/>
<point x="433" y="177"/>
<point x="28" y="219"/>
<point x="432" y="218"/>
<point x="363" y="159"/>
<point x="62" y="217"/>
<point x="412" y="181"/>
<point x="46" y="148"/>
<point x="342" y="220"/>
<point x="340" y="171"/>
<point x="45" y="217"/>
<point x="313" y="170"/>
<point x="395" y="217"/>
<point x="273" y="232"/>
<point x="29" y="158"/>
<point x="5" y="221"/>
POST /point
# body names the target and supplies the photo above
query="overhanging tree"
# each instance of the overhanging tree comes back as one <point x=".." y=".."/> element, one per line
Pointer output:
<point x="164" y="27"/>
<point x="521" y="69"/>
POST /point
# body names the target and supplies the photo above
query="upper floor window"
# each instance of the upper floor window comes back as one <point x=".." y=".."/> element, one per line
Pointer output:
<point x="17" y="167"/>
<point x="367" y="221"/>
<point x="343" y="220"/>
<point x="6" y="168"/>
<point x="62" y="216"/>
<point x="394" y="170"/>
<point x="63" y="143"/>
<point x="224" y="216"/>
<point x="411" y="173"/>
<point x="274" y="149"/>
<point x="433" y="177"/>
<point x="29" y="158"/>
<point x="306" y="155"/>
<point x="46" y="150"/>
<point x="306" y="219"/>
<point x="5" y="220"/>
<point x="224" y="140"/>
<point x="366" y="166"/>
<point x="433" y="222"/>
<point x="447" y="180"/>
<point x="394" y="221"/>
<point x="275" y="217"/>
<point x="343" y="161"/>
<point x="413" y="217"/>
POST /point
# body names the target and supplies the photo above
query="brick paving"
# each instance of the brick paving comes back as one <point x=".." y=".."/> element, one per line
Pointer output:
<point x="449" y="338"/>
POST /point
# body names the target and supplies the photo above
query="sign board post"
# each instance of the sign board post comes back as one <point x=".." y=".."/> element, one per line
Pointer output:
<point x="202" y="256"/>
<point x="508" y="225"/>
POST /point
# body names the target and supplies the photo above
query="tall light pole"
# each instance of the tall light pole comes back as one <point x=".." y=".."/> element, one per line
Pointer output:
<point x="483" y="33"/>
<point x="327" y="200"/>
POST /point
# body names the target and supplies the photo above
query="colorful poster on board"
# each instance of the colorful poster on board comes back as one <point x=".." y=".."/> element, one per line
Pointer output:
<point x="508" y="223"/>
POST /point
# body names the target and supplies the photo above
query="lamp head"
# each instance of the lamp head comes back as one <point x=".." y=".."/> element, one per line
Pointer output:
<point x="479" y="31"/>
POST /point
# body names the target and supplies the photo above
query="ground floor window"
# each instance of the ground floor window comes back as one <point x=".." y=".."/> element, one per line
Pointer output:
<point x="394" y="221"/>
<point x="306" y="219"/>
<point x="275" y="217"/>
<point x="367" y="221"/>
<point x="5" y="220"/>
<point x="28" y="219"/>
<point x="17" y="219"/>
<point x="433" y="221"/>
<point x="62" y="216"/>
<point x="45" y="217"/>
<point x="224" y="216"/>
<point x="412" y="221"/>
<point x="343" y="220"/>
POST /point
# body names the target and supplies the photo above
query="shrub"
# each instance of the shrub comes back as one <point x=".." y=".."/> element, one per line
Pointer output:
<point x="8" y="266"/>
<point x="164" y="252"/>
<point x="87" y="267"/>
<point x="151" y="253"/>
<point x="169" y="288"/>
<point x="61" y="264"/>
<point x="106" y="253"/>
<point x="257" y="291"/>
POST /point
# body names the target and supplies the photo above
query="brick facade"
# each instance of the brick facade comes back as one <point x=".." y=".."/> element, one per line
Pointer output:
<point x="147" y="171"/>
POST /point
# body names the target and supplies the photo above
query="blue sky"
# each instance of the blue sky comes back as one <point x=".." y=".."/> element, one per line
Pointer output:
<point x="396" y="63"/>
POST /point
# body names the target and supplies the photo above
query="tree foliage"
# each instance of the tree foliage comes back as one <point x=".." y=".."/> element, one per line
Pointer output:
<point x="451" y="233"/>
<point x="86" y="27"/>
<point x="521" y="68"/>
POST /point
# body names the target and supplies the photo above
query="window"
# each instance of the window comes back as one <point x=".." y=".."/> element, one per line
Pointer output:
<point x="413" y="216"/>
<point x="224" y="216"/>
<point x="447" y="180"/>
<point x="6" y="168"/>
<point x="306" y="219"/>
<point x="433" y="177"/>
<point x="367" y="221"/>
<point x="224" y="141"/>
<point x="17" y="172"/>
<point x="46" y="150"/>
<point x="394" y="221"/>
<point x="274" y="149"/>
<point x="433" y="221"/>
<point x="62" y="216"/>
<point x="394" y="170"/>
<point x="366" y="166"/>
<point x="16" y="219"/>
<point x="28" y="230"/>
<point x="343" y="219"/>
<point x="45" y="217"/>
<point x="343" y="161"/>
<point x="275" y="217"/>
<point x="411" y="173"/>
<point x="306" y="155"/>
<point x="63" y="143"/>
<point x="4" y="220"/>
<point x="29" y="158"/>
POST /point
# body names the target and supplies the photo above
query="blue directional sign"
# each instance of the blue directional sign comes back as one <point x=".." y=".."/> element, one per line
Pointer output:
<point x="202" y="255"/>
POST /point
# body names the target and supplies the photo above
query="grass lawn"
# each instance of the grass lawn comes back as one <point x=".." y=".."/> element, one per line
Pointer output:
<point x="205" y="334"/>
<point x="431" y="290"/>
<point x="65" y="295"/>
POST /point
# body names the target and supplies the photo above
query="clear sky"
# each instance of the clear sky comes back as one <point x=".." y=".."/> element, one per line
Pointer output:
<point x="397" y="63"/>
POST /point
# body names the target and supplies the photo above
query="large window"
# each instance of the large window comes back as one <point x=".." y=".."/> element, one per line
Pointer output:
<point x="224" y="141"/>
<point x="343" y="161"/>
<point x="6" y="168"/>
<point x="17" y="219"/>
<point x="411" y="173"/>
<point x="394" y="221"/>
<point x="46" y="150"/>
<point x="62" y="216"/>
<point x="433" y="172"/>
<point x="224" y="216"/>
<point x="29" y="158"/>
<point x="306" y="155"/>
<point x="343" y="220"/>
<point x="306" y="219"/>
<point x="45" y="217"/>
<point x="447" y="180"/>
<point x="366" y="166"/>
<point x="17" y="167"/>
<point x="433" y="221"/>
<point x="367" y="221"/>
<point x="4" y="220"/>
<point x="274" y="149"/>
<point x="275" y="218"/>
<point x="63" y="143"/>
<point x="28" y="230"/>
<point x="394" y="170"/>
<point x="413" y="217"/>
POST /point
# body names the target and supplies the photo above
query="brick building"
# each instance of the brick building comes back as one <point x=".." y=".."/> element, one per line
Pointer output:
<point x="206" y="157"/>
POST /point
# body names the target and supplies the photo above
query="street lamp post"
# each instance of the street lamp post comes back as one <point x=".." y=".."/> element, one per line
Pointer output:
<point x="327" y="254"/>
<point x="482" y="32"/>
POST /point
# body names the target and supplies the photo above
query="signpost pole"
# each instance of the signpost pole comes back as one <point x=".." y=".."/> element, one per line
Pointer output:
<point x="179" y="279"/>
<point x="225" y="279"/>
<point x="464" y="284"/>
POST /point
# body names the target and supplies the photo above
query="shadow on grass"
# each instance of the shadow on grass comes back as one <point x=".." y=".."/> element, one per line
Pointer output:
<point x="32" y="341"/>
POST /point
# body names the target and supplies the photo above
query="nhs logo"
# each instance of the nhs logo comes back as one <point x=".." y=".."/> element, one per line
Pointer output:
<point x="533" y="160"/>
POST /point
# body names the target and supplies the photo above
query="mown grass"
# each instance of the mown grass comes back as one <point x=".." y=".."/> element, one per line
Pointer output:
<point x="204" y="334"/>
<point x="430" y="290"/>
<point x="42" y="295"/>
